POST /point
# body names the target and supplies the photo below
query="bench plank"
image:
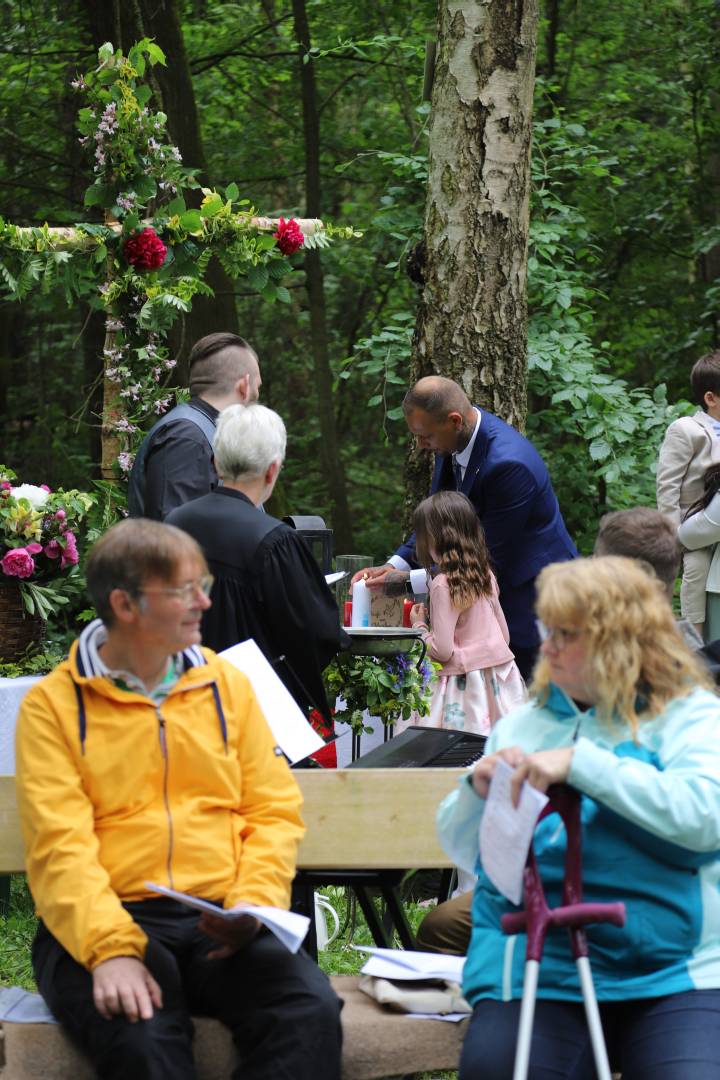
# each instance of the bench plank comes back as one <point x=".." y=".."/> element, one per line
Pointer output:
<point x="374" y="819"/>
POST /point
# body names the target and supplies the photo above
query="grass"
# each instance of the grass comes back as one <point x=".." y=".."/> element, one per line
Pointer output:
<point x="17" y="930"/>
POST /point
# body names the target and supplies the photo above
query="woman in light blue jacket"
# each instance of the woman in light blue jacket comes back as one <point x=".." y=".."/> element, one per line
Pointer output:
<point x="622" y="711"/>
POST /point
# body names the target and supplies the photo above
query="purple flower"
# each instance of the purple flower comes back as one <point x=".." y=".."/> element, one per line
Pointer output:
<point x="426" y="675"/>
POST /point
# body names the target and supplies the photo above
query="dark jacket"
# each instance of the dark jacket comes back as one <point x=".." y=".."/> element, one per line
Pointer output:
<point x="267" y="587"/>
<point x="508" y="484"/>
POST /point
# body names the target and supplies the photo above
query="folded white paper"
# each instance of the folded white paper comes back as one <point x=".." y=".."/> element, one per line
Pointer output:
<point x="330" y="579"/>
<point x="453" y="1018"/>
<point x="506" y="832"/>
<point x="406" y="964"/>
<point x="294" y="735"/>
<point x="287" y="926"/>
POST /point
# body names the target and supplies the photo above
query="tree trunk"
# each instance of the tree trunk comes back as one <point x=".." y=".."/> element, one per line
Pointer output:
<point x="329" y="450"/>
<point x="472" y="321"/>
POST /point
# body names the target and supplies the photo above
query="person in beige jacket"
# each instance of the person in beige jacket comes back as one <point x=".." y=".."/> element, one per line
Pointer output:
<point x="691" y="445"/>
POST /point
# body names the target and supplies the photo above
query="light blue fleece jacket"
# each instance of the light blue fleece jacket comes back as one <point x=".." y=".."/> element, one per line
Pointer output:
<point x="651" y="838"/>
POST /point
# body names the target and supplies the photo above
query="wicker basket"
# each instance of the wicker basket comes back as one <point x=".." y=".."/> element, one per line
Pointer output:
<point x="17" y="628"/>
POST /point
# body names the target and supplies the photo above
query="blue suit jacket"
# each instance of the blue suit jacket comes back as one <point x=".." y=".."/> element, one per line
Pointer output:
<point x="508" y="484"/>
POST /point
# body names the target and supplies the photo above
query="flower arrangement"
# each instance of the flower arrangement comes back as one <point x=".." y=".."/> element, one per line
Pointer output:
<point x="38" y="530"/>
<point x="391" y="688"/>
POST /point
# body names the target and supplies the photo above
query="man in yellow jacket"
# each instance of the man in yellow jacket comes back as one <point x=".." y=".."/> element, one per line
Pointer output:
<point x="144" y="758"/>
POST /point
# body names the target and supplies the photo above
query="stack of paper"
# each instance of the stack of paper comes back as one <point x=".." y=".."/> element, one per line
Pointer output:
<point x="405" y="964"/>
<point x="287" y="926"/>
<point x="401" y="964"/>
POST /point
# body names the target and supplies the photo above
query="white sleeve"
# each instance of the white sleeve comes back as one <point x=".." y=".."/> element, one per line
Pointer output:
<point x="703" y="528"/>
<point x="458" y="824"/>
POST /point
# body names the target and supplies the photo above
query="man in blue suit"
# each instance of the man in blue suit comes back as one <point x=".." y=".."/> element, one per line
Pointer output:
<point x="507" y="482"/>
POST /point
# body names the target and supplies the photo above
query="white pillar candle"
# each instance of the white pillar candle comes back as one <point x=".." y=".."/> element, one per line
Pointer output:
<point x="360" y="604"/>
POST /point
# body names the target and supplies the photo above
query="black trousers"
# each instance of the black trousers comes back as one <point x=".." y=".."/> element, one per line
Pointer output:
<point x="283" y="1014"/>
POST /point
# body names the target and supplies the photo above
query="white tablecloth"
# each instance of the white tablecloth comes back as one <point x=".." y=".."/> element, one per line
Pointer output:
<point x="12" y="691"/>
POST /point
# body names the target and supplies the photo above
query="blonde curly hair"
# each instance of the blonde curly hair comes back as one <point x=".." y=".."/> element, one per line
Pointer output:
<point x="638" y="659"/>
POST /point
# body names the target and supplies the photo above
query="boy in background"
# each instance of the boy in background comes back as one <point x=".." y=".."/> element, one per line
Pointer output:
<point x="691" y="445"/>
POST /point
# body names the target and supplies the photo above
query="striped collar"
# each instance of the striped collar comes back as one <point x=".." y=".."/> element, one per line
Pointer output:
<point x="90" y="665"/>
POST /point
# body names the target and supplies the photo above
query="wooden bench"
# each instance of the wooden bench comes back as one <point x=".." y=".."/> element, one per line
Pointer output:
<point x="357" y="820"/>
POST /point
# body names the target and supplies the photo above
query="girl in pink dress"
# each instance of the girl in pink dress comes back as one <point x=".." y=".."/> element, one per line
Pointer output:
<point x="479" y="681"/>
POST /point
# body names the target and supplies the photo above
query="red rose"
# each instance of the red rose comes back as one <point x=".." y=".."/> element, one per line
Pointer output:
<point x="289" y="236"/>
<point x="145" y="250"/>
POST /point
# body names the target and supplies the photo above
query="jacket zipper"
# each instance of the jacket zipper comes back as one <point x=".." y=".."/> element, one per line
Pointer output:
<point x="164" y="751"/>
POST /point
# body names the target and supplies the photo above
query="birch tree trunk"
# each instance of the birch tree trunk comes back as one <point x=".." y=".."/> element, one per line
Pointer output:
<point x="472" y="325"/>
<point x="472" y="321"/>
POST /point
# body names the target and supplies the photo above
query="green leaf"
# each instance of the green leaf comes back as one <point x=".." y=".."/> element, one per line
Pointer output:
<point x="145" y="188"/>
<point x="105" y="52"/>
<point x="212" y="205"/>
<point x="130" y="222"/>
<point x="177" y="206"/>
<point x="156" y="55"/>
<point x="143" y="94"/>
<point x="599" y="449"/>
<point x="191" y="220"/>
<point x="100" y="195"/>
<point x="232" y="192"/>
<point x="258" y="277"/>
<point x="282" y="294"/>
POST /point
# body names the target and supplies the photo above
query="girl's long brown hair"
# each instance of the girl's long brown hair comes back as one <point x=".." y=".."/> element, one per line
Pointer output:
<point x="448" y="523"/>
<point x="711" y="485"/>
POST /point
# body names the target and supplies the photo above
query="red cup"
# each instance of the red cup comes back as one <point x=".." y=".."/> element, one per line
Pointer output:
<point x="407" y="608"/>
<point x="347" y="613"/>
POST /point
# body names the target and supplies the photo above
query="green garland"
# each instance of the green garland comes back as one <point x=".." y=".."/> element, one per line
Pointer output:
<point x="152" y="251"/>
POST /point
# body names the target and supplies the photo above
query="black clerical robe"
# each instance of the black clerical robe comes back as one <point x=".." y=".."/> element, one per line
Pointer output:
<point x="267" y="587"/>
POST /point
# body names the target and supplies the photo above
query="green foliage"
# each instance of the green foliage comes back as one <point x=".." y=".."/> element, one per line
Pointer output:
<point x="391" y="688"/>
<point x="599" y="434"/>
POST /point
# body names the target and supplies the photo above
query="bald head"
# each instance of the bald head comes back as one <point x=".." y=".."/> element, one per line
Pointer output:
<point x="439" y="415"/>
<point x="438" y="396"/>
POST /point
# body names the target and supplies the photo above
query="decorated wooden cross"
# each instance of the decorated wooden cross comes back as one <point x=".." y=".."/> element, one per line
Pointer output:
<point x="152" y="251"/>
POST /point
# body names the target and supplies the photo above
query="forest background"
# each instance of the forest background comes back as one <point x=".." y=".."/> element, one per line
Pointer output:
<point x="624" y="262"/>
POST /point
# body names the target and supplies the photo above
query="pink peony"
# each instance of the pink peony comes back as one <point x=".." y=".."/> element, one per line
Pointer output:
<point x="289" y="236"/>
<point x="33" y="548"/>
<point x="70" y="554"/>
<point x="145" y="250"/>
<point x="60" y="515"/>
<point x="18" y="563"/>
<point x="46" y="488"/>
<point x="53" y="550"/>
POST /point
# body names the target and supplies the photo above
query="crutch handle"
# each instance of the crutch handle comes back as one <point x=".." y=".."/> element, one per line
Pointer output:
<point x="537" y="918"/>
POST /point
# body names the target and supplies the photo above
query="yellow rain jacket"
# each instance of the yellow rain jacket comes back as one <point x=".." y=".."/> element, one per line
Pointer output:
<point x="114" y="791"/>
